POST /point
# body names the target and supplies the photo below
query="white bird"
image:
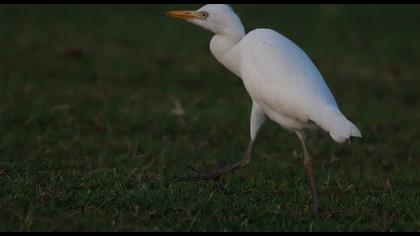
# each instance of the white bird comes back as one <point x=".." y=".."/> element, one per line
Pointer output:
<point x="283" y="82"/>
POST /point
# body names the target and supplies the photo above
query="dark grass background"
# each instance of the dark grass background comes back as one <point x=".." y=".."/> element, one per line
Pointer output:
<point x="100" y="106"/>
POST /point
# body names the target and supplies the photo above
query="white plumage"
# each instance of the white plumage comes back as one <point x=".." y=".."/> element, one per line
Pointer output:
<point x="288" y="86"/>
<point x="281" y="79"/>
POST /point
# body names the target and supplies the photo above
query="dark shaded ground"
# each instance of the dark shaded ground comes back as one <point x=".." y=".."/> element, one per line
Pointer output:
<point x="101" y="106"/>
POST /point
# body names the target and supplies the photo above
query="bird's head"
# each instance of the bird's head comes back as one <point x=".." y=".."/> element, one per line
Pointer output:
<point x="216" y="18"/>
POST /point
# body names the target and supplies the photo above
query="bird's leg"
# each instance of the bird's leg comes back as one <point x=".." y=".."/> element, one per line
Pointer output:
<point x="216" y="174"/>
<point x="310" y="171"/>
<point x="258" y="118"/>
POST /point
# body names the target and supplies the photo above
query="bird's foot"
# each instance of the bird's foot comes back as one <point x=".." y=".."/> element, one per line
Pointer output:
<point x="210" y="176"/>
<point x="200" y="176"/>
<point x="213" y="175"/>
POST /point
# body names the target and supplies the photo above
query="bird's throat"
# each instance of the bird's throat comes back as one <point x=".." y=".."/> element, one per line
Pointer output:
<point x="223" y="49"/>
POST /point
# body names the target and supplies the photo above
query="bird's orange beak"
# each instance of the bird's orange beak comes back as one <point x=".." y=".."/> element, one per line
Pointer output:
<point x="184" y="15"/>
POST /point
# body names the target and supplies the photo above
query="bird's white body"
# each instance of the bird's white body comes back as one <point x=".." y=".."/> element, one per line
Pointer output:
<point x="284" y="84"/>
<point x="281" y="79"/>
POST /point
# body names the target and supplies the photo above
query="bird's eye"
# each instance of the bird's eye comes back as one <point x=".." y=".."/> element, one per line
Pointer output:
<point x="204" y="14"/>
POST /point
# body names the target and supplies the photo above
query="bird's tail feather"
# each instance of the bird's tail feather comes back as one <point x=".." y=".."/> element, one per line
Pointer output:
<point x="339" y="127"/>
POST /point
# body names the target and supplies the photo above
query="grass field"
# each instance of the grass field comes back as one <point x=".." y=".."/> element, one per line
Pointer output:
<point x="100" y="106"/>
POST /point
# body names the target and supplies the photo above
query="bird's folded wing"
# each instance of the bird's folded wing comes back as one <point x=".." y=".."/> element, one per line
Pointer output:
<point x="278" y="74"/>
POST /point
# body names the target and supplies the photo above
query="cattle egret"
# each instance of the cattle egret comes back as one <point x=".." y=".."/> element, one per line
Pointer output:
<point x="283" y="82"/>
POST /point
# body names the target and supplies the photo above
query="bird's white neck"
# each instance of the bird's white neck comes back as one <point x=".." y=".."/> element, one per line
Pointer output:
<point x="225" y="40"/>
<point x="223" y="43"/>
